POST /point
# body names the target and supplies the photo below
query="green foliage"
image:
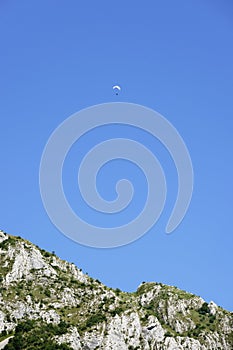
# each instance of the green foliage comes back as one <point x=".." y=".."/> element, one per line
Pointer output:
<point x="145" y="287"/>
<point x="93" y="320"/>
<point x="37" y="335"/>
<point x="5" y="334"/>
<point x="230" y="337"/>
<point x="168" y="334"/>
<point x="74" y="281"/>
<point x="196" y="332"/>
<point x="24" y="326"/>
<point x="151" y="309"/>
<point x="9" y="241"/>
<point x="165" y="291"/>
<point x="205" y="322"/>
<point x="204" y="309"/>
<point x="47" y="292"/>
<point x="117" y="311"/>
<point x="118" y="291"/>
<point x="45" y="253"/>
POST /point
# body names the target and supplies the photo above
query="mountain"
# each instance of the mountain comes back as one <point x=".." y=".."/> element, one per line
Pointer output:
<point x="48" y="303"/>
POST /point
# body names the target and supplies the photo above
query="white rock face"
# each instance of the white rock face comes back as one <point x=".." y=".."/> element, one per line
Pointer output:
<point x="153" y="330"/>
<point x="2" y="319"/>
<point x="189" y="343"/>
<point x="226" y="324"/>
<point x="25" y="260"/>
<point x="3" y="236"/>
<point x="213" y="308"/>
<point x="78" y="274"/>
<point x="92" y="341"/>
<point x="50" y="316"/>
<point x="123" y="331"/>
<point x="146" y="298"/>
<point x="72" y="339"/>
<point x="4" y="342"/>
<point x="68" y="297"/>
<point x="20" y="310"/>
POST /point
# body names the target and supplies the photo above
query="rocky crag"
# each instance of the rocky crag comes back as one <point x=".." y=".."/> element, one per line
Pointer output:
<point x="48" y="303"/>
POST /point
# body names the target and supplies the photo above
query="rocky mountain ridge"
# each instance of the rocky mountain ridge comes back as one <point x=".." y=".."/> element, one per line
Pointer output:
<point x="48" y="303"/>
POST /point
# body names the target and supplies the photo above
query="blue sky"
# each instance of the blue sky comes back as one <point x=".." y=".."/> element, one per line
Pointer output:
<point x="175" y="57"/>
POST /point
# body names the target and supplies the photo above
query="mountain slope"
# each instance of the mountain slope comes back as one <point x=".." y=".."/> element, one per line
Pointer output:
<point x="47" y="303"/>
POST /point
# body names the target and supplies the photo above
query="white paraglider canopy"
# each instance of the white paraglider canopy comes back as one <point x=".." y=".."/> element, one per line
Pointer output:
<point x="116" y="89"/>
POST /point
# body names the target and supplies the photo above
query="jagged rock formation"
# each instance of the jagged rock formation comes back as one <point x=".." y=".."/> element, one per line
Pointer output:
<point x="44" y="300"/>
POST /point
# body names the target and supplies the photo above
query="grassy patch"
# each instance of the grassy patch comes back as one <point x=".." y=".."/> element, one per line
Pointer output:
<point x="145" y="288"/>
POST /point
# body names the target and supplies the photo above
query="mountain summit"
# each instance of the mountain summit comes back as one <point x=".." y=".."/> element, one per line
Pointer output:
<point x="48" y="303"/>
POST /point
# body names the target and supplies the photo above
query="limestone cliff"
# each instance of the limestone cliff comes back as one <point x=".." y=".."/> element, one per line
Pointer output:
<point x="47" y="303"/>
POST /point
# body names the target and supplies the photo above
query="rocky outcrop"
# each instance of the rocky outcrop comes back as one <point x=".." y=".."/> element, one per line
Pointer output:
<point x="36" y="286"/>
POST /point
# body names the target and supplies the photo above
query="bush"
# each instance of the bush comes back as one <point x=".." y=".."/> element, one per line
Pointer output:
<point x="37" y="335"/>
<point x="204" y="309"/>
<point x="117" y="311"/>
<point x="212" y="318"/>
<point x="47" y="292"/>
<point x="94" y="319"/>
<point x="118" y="291"/>
<point x="168" y="334"/>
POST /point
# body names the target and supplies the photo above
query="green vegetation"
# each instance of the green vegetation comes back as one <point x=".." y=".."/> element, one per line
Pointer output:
<point x="145" y="287"/>
<point x="204" y="321"/>
<point x="4" y="335"/>
<point x="117" y="311"/>
<point x="45" y="253"/>
<point x="10" y="241"/>
<point x="37" y="335"/>
<point x="230" y="337"/>
<point x="204" y="309"/>
<point x="118" y="291"/>
<point x="93" y="320"/>
<point x="164" y="292"/>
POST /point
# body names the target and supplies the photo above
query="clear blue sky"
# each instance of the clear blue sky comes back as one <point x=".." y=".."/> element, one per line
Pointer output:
<point x="176" y="57"/>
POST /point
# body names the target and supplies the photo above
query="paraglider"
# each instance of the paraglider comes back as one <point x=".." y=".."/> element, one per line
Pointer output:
<point x="116" y="89"/>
